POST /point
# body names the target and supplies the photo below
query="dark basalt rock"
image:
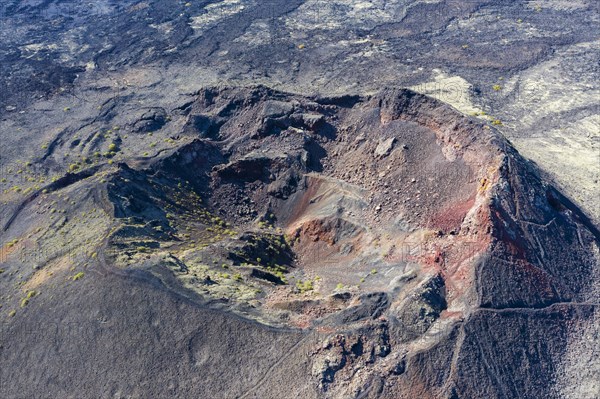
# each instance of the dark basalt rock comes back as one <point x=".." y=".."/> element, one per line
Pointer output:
<point x="262" y="249"/>
<point x="371" y="306"/>
<point x="151" y="121"/>
<point x="416" y="315"/>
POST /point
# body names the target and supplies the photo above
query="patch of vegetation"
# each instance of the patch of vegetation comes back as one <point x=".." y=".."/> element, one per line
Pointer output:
<point x="29" y="295"/>
<point x="78" y="276"/>
<point x="305" y="286"/>
<point x="281" y="276"/>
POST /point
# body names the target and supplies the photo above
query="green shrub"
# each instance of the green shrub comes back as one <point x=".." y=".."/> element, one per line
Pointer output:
<point x="304" y="286"/>
<point x="281" y="276"/>
<point x="29" y="295"/>
<point x="78" y="276"/>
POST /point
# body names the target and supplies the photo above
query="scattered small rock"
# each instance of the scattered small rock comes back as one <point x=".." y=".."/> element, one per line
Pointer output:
<point x="385" y="148"/>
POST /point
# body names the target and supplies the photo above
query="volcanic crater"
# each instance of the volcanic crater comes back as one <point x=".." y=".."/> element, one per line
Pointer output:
<point x="389" y="217"/>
